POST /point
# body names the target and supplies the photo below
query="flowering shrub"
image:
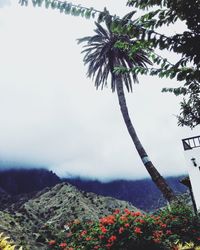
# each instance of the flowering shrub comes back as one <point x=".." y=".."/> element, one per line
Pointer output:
<point x="182" y="222"/>
<point x="5" y="244"/>
<point x="129" y="230"/>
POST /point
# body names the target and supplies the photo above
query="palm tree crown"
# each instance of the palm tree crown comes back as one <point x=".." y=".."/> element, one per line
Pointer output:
<point x="102" y="56"/>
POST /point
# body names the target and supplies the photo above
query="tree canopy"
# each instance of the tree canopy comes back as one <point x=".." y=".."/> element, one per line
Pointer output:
<point x="186" y="70"/>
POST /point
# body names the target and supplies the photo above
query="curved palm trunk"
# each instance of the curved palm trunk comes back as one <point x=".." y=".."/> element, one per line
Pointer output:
<point x="155" y="175"/>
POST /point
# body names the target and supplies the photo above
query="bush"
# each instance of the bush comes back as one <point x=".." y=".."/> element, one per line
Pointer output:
<point x="183" y="223"/>
<point x="129" y="230"/>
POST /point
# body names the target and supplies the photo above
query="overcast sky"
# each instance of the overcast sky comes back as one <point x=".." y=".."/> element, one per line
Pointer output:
<point x="51" y="115"/>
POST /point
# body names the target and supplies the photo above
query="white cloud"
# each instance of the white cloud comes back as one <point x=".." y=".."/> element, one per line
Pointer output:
<point x="4" y="3"/>
<point x="52" y="115"/>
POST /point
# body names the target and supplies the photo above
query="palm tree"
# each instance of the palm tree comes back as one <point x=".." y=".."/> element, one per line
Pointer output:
<point x="102" y="56"/>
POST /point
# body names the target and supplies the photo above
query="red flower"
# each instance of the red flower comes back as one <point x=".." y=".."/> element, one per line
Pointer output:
<point x="103" y="230"/>
<point x="117" y="211"/>
<point x="163" y="225"/>
<point x="84" y="232"/>
<point x="112" y="238"/>
<point x="52" y="242"/>
<point x="158" y="233"/>
<point x="121" y="230"/>
<point x="127" y="225"/>
<point x="140" y="221"/>
<point x="123" y="218"/>
<point x="63" y="245"/>
<point x="88" y="238"/>
<point x="168" y="232"/>
<point x="127" y="211"/>
<point x="108" y="220"/>
<point x="136" y="214"/>
<point x="138" y="230"/>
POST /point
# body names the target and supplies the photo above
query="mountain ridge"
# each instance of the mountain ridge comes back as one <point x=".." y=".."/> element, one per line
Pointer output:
<point x="39" y="219"/>
<point x="133" y="191"/>
<point x="15" y="182"/>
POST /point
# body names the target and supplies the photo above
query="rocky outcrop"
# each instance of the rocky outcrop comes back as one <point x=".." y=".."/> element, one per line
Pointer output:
<point x="4" y="199"/>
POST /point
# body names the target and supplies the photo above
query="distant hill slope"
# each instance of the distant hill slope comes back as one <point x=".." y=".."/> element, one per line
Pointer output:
<point x="142" y="193"/>
<point x="18" y="181"/>
<point x="46" y="213"/>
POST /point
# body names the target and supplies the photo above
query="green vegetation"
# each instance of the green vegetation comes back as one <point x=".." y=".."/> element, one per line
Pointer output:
<point x="175" y="228"/>
<point x="187" y="69"/>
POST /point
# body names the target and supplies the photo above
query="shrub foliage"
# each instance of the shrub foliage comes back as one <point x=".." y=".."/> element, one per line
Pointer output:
<point x="174" y="229"/>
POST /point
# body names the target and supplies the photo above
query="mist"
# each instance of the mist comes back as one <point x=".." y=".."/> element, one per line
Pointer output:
<point x="53" y="117"/>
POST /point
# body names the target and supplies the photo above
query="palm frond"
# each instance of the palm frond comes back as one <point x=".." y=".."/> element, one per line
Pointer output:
<point x="129" y="15"/>
<point x="126" y="77"/>
<point x="84" y="39"/>
<point x="102" y="56"/>
<point x="101" y="30"/>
